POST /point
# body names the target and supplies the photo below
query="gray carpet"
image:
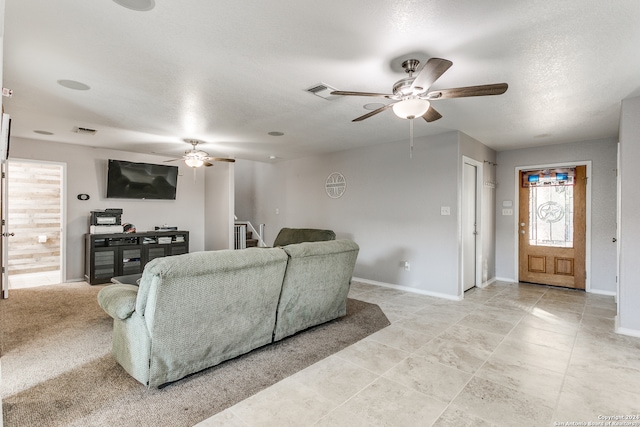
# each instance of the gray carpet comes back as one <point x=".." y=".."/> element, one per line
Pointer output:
<point x="57" y="369"/>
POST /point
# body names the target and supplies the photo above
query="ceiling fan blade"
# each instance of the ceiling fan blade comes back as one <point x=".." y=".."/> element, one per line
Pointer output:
<point x="173" y="160"/>
<point x="462" y="92"/>
<point x="431" y="115"/>
<point x="373" y="113"/>
<point x="221" y="159"/>
<point x="207" y="164"/>
<point x="432" y="70"/>
<point x="349" y="93"/>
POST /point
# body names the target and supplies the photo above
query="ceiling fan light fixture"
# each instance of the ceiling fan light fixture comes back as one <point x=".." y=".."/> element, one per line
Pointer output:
<point x="410" y="108"/>
<point x="193" y="162"/>
<point x="139" y="5"/>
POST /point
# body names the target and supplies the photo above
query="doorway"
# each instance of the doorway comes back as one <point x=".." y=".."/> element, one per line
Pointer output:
<point x="471" y="177"/>
<point x="552" y="226"/>
<point x="34" y="216"/>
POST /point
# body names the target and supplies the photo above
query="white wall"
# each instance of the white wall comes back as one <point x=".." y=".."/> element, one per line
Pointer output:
<point x="628" y="320"/>
<point x="602" y="153"/>
<point x="86" y="172"/>
<point x="391" y="207"/>
<point x="245" y="200"/>
<point x="219" y="202"/>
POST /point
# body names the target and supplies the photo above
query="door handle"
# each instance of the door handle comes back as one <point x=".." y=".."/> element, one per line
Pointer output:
<point x="8" y="234"/>
<point x="522" y="231"/>
<point x="614" y="240"/>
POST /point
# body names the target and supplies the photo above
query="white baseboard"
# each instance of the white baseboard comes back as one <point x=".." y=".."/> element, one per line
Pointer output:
<point x="626" y="331"/>
<point x="408" y="289"/>
<point x="601" y="292"/>
<point x="504" y="279"/>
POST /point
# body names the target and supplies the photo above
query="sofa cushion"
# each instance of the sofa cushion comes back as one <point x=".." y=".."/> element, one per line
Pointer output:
<point x="119" y="301"/>
<point x="289" y="236"/>
<point x="316" y="284"/>
<point x="203" y="308"/>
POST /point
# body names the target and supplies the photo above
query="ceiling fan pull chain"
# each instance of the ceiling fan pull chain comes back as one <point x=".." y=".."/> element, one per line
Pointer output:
<point x="411" y="138"/>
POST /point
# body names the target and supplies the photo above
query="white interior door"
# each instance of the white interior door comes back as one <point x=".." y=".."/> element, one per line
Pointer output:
<point x="4" y="223"/>
<point x="4" y="249"/>
<point x="617" y="237"/>
<point x="469" y="225"/>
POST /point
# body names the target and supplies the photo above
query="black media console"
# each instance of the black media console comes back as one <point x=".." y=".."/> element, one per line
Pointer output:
<point x="121" y="254"/>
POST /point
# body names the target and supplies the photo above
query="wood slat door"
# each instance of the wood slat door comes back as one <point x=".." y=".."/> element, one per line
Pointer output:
<point x="550" y="264"/>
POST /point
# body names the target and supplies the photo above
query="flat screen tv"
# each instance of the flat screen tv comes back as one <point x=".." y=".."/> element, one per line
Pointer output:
<point x="130" y="180"/>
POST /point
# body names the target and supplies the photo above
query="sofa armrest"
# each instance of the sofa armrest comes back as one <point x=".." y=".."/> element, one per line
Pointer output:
<point x="119" y="301"/>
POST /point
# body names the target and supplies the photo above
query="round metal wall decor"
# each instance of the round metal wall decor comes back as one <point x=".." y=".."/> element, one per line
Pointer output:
<point x="335" y="185"/>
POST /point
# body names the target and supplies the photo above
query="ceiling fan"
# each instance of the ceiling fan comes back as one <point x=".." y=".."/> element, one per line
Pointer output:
<point x="196" y="158"/>
<point x="411" y="96"/>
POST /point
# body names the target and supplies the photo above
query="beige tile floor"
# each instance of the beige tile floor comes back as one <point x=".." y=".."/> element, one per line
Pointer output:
<point x="508" y="355"/>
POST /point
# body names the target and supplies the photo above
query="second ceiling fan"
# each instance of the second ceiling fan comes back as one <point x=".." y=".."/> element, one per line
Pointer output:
<point x="411" y="94"/>
<point x="195" y="158"/>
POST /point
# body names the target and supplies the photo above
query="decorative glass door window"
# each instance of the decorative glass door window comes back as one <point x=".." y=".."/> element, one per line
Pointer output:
<point x="550" y="207"/>
<point x="551" y="216"/>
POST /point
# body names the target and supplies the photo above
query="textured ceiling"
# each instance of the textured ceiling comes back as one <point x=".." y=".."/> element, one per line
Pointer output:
<point x="228" y="72"/>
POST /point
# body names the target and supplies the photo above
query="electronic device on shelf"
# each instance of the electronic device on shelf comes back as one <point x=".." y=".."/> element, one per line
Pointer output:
<point x="106" y="229"/>
<point x="112" y="216"/>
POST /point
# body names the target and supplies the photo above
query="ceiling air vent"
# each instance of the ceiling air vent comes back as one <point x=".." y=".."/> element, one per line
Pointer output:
<point x="322" y="90"/>
<point x="85" y="131"/>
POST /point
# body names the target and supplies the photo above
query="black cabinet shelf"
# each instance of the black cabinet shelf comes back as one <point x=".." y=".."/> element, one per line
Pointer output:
<point x="120" y="254"/>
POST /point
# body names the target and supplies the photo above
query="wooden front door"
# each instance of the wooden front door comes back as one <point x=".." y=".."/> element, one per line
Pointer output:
<point x="552" y="227"/>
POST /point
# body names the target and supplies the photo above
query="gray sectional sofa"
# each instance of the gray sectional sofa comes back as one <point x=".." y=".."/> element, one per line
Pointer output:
<point x="194" y="311"/>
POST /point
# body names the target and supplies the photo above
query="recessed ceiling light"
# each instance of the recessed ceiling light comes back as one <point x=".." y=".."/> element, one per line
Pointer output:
<point x="139" y="5"/>
<point x="43" y="132"/>
<point x="275" y="133"/>
<point x="72" y="84"/>
<point x="373" y="106"/>
<point x="273" y="157"/>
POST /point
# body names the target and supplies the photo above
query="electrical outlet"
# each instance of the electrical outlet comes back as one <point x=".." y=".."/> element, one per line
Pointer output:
<point x="407" y="266"/>
<point x="445" y="210"/>
<point x="507" y="211"/>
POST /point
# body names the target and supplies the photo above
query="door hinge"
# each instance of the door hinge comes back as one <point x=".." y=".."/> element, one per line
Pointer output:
<point x="3" y="175"/>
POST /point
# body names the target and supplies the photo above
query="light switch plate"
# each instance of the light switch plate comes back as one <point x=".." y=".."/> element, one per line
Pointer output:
<point x="445" y="210"/>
